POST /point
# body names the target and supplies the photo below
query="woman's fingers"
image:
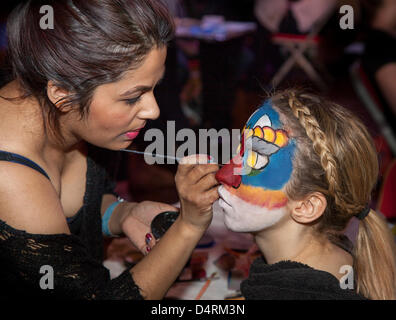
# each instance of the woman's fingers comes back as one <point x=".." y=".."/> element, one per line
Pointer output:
<point x="201" y="171"/>
<point x="212" y="195"/>
<point x="208" y="181"/>
<point x="195" y="167"/>
<point x="150" y="242"/>
<point x="140" y="235"/>
<point x="190" y="175"/>
<point x="197" y="188"/>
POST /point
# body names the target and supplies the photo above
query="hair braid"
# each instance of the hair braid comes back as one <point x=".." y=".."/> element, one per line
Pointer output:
<point x="322" y="148"/>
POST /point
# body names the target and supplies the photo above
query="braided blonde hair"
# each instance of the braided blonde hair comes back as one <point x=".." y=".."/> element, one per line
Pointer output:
<point x="336" y="156"/>
<point x="324" y="150"/>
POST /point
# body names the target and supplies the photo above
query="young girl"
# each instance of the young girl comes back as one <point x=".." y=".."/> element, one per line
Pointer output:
<point x="305" y="169"/>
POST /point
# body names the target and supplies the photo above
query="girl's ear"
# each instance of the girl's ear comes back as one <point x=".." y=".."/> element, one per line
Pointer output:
<point x="57" y="96"/>
<point x="309" y="209"/>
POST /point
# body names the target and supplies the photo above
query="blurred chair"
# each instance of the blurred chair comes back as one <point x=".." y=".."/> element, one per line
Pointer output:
<point x="303" y="51"/>
<point x="366" y="93"/>
<point x="297" y="45"/>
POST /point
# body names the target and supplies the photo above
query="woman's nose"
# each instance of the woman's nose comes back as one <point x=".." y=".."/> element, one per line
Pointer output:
<point x="229" y="174"/>
<point x="151" y="111"/>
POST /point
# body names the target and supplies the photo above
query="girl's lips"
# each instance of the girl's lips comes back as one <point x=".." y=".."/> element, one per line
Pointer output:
<point x="220" y="191"/>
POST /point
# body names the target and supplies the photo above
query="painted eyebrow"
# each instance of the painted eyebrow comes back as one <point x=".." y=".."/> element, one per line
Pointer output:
<point x="141" y="89"/>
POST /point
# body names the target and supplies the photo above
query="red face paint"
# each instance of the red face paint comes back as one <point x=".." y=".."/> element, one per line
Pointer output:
<point x="228" y="174"/>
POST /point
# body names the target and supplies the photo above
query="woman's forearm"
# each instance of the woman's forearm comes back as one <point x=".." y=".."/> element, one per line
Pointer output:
<point x="157" y="271"/>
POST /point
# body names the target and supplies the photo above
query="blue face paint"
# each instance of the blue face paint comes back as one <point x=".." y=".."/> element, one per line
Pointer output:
<point x="265" y="109"/>
<point x="280" y="164"/>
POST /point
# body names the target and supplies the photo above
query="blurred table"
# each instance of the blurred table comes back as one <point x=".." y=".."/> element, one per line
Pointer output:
<point x="220" y="57"/>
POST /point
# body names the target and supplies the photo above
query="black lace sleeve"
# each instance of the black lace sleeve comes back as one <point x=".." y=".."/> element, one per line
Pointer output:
<point x="76" y="275"/>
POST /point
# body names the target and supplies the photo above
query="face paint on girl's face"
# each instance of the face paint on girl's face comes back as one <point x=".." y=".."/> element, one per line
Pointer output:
<point x="254" y="199"/>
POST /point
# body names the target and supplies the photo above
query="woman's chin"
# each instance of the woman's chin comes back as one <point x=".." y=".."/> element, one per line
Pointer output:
<point x="120" y="145"/>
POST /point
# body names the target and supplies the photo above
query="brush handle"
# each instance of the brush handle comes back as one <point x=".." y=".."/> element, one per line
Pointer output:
<point x="151" y="154"/>
<point x="159" y="155"/>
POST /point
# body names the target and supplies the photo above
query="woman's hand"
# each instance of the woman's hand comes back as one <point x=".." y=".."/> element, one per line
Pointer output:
<point x="197" y="189"/>
<point x="137" y="223"/>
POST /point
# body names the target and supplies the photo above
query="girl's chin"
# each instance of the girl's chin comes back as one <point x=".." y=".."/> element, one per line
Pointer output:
<point x="233" y="225"/>
<point x="230" y="225"/>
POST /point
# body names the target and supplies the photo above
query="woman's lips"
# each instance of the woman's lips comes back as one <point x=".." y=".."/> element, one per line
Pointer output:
<point x="132" y="135"/>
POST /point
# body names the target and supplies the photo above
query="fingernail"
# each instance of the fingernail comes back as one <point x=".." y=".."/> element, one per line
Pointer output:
<point x="148" y="249"/>
<point x="211" y="160"/>
<point x="148" y="238"/>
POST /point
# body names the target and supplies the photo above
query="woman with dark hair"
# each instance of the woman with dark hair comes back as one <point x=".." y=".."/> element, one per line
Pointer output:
<point x="79" y="88"/>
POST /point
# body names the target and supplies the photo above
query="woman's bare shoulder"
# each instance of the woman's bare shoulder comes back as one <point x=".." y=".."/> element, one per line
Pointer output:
<point x="29" y="202"/>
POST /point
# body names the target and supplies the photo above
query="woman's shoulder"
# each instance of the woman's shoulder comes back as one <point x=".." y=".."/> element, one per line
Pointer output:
<point x="290" y="280"/>
<point x="28" y="200"/>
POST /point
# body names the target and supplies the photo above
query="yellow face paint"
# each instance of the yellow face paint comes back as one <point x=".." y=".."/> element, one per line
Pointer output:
<point x="249" y="133"/>
<point x="252" y="159"/>
<point x="258" y="132"/>
<point x="269" y="134"/>
<point x="281" y="138"/>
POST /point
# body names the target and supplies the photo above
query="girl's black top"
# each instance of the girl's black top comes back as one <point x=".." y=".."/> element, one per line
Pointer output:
<point x="62" y="266"/>
<point x="290" y="280"/>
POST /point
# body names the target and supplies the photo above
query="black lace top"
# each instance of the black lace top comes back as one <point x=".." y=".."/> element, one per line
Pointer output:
<point x="27" y="261"/>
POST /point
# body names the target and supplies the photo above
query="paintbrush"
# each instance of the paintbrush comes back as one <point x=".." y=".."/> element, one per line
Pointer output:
<point x="155" y="155"/>
<point x="152" y="154"/>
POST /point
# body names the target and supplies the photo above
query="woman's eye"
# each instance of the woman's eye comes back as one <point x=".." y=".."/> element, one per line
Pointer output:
<point x="132" y="101"/>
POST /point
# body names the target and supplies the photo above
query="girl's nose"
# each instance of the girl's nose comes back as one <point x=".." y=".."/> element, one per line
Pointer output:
<point x="229" y="174"/>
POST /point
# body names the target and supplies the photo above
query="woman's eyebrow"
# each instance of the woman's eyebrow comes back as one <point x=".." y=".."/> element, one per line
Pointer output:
<point x="141" y="89"/>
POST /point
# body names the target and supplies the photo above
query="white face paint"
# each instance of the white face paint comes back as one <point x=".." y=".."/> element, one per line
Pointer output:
<point x="241" y="216"/>
<point x="252" y="194"/>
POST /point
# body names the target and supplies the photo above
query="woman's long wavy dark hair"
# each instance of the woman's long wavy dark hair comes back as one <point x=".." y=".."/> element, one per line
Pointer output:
<point x="93" y="42"/>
